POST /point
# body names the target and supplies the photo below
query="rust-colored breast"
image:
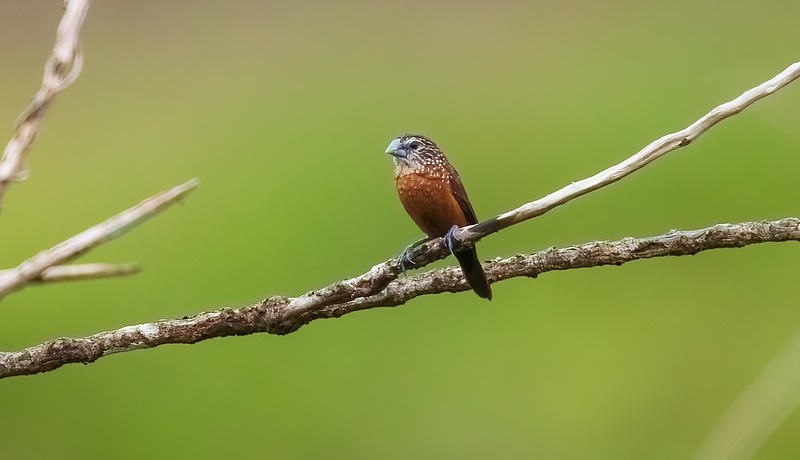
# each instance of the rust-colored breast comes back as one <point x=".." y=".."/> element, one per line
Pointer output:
<point x="430" y="202"/>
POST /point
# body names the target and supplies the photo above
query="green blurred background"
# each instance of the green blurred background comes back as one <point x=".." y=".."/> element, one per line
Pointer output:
<point x="283" y="109"/>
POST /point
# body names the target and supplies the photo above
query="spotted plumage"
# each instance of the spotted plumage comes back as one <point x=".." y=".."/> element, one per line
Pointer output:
<point x="432" y="193"/>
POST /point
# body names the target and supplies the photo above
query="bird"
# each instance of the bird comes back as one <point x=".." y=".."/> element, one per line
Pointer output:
<point x="431" y="191"/>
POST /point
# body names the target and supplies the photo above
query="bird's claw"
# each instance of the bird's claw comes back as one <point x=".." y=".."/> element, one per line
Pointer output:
<point x="450" y="239"/>
<point x="405" y="257"/>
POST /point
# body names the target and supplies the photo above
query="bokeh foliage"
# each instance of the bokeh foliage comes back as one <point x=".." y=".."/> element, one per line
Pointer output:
<point x="283" y="110"/>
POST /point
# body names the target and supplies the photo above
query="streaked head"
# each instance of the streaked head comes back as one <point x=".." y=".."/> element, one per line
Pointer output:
<point x="415" y="150"/>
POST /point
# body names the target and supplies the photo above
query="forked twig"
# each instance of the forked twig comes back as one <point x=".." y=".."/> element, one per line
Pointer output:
<point x="35" y="268"/>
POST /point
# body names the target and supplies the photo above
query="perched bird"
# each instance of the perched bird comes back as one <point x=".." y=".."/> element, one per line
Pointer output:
<point x="433" y="195"/>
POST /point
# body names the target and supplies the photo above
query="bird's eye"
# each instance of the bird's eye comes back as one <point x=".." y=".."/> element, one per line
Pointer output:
<point x="415" y="145"/>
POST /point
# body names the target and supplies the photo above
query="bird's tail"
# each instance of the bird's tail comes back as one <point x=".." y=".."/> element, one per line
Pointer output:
<point x="473" y="272"/>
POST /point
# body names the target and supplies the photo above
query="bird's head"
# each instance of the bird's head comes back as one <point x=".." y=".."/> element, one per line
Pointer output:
<point x="414" y="151"/>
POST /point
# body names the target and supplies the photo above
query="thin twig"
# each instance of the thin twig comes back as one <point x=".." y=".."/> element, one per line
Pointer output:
<point x="280" y="315"/>
<point x="83" y="272"/>
<point x="60" y="71"/>
<point x="33" y="268"/>
<point x="79" y="272"/>
<point x="645" y="156"/>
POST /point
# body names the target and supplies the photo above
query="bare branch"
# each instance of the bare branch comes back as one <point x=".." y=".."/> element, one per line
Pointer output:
<point x="592" y="254"/>
<point x="33" y="268"/>
<point x="60" y="71"/>
<point x="651" y="152"/>
<point x="82" y="272"/>
<point x="281" y="315"/>
<point x="87" y="271"/>
<point x="379" y="276"/>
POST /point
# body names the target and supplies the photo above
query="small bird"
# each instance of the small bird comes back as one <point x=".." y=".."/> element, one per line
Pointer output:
<point x="431" y="191"/>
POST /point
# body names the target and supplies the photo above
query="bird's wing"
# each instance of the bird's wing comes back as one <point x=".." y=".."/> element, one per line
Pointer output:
<point x="461" y="197"/>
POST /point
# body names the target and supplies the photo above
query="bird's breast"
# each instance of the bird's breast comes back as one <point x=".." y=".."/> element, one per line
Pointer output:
<point x="429" y="200"/>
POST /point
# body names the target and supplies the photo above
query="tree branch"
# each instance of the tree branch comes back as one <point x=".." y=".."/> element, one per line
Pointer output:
<point x="35" y="268"/>
<point x="381" y="275"/>
<point x="642" y="158"/>
<point x="281" y="315"/>
<point x="379" y="286"/>
<point x="81" y="272"/>
<point x="60" y="71"/>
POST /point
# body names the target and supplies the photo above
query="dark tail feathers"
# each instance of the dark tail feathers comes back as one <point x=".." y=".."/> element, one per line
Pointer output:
<point x="473" y="272"/>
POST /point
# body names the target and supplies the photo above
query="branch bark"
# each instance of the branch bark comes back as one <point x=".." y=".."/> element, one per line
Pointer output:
<point x="281" y="315"/>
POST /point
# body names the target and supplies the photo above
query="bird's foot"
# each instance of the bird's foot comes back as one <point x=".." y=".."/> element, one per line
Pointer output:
<point x="405" y="257"/>
<point x="450" y="239"/>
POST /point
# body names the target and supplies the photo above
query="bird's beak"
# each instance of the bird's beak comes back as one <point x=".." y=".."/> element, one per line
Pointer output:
<point x="396" y="148"/>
